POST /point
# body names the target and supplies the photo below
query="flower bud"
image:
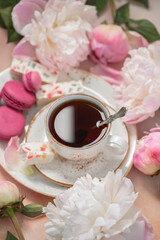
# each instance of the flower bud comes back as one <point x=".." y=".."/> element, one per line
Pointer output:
<point x="109" y="44"/>
<point x="147" y="155"/>
<point x="9" y="193"/>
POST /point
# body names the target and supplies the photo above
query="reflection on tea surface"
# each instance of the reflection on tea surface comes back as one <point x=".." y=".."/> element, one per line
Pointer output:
<point x="75" y="115"/>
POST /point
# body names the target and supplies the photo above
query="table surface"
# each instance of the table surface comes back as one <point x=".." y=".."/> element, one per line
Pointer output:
<point x="148" y="187"/>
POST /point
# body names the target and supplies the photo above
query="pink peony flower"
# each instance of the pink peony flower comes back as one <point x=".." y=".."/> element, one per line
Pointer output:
<point x="109" y="44"/>
<point x="56" y="34"/>
<point x="94" y="209"/>
<point x="140" y="89"/>
<point x="9" y="193"/>
<point x="147" y="155"/>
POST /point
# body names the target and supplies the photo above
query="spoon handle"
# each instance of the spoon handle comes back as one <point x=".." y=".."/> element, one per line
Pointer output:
<point x="120" y="113"/>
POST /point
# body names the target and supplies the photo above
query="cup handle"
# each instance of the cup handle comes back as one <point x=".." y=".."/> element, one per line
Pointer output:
<point x="117" y="144"/>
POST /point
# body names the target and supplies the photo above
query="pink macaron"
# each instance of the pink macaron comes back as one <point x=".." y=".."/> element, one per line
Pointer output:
<point x="16" y="96"/>
<point x="12" y="123"/>
<point x="32" y="81"/>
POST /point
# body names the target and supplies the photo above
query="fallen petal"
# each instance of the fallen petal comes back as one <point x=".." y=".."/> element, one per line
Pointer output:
<point x="11" y="155"/>
<point x="136" y="40"/>
<point x="109" y="74"/>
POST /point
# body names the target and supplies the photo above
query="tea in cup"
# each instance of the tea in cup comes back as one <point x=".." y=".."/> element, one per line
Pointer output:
<point x="70" y="117"/>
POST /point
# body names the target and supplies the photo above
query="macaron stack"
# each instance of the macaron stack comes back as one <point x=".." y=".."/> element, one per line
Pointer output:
<point x="18" y="96"/>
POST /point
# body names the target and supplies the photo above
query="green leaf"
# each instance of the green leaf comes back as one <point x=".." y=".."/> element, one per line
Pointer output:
<point x="32" y="210"/>
<point x="13" y="36"/>
<point x="10" y="236"/>
<point x="2" y="23"/>
<point x="5" y="14"/>
<point x="145" y="28"/>
<point x="144" y="2"/>
<point x="99" y="4"/>
<point x="122" y="14"/>
<point x="8" y="3"/>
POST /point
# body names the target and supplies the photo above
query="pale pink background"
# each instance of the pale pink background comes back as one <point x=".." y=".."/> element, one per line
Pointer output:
<point x="148" y="187"/>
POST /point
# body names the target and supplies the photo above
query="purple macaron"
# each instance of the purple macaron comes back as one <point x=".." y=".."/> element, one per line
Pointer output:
<point x="12" y="123"/>
<point x="16" y="96"/>
<point x="32" y="81"/>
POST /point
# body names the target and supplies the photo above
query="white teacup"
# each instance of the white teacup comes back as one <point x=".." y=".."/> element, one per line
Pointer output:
<point x="112" y="142"/>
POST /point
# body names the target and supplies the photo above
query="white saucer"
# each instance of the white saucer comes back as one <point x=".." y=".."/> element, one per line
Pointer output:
<point x="66" y="172"/>
<point x="94" y="86"/>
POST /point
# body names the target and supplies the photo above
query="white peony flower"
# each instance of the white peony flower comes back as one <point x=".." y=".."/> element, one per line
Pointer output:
<point x="140" y="89"/>
<point x="97" y="210"/>
<point x="60" y="34"/>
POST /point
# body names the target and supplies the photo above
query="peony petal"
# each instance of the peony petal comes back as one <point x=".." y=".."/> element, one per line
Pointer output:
<point x="51" y="2"/>
<point x="148" y="229"/>
<point x="109" y="74"/>
<point x="132" y="117"/>
<point x="123" y="224"/>
<point x="40" y="3"/>
<point x="151" y="102"/>
<point x="11" y="155"/>
<point x="136" y="40"/>
<point x="156" y="129"/>
<point x="154" y="48"/>
<point x="23" y="13"/>
<point x="24" y="50"/>
<point x="141" y="230"/>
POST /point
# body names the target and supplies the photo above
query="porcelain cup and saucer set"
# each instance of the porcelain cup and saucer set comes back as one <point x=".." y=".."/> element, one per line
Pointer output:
<point x="77" y="156"/>
<point x="111" y="149"/>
